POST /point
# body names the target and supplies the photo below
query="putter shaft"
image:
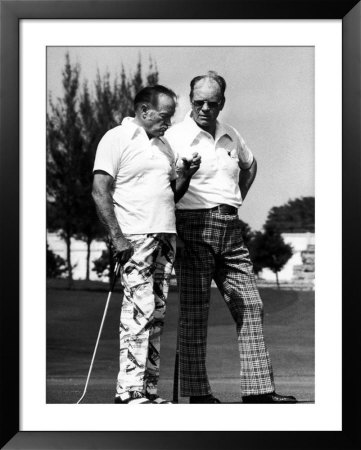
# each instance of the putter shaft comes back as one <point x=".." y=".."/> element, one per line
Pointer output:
<point x="116" y="271"/>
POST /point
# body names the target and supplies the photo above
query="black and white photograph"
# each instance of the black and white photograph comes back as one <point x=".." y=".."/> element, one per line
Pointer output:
<point x="180" y="191"/>
<point x="180" y="224"/>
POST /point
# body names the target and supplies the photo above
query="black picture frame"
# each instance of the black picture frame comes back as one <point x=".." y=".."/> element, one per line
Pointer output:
<point x="12" y="11"/>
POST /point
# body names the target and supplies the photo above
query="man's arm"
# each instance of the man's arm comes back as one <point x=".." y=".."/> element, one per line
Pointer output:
<point x="189" y="168"/>
<point x="246" y="178"/>
<point x="101" y="193"/>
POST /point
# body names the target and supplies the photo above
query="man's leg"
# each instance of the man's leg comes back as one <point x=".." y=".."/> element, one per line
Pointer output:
<point x="194" y="276"/>
<point x="236" y="281"/>
<point x="136" y="315"/>
<point x="164" y="261"/>
<point x="195" y="282"/>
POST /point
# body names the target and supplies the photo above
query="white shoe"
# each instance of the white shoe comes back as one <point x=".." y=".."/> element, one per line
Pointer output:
<point x="154" y="398"/>
<point x="135" y="398"/>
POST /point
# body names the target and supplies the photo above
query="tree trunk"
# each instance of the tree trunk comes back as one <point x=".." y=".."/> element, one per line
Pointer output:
<point x="277" y="280"/>
<point x="68" y="259"/>
<point x="89" y="241"/>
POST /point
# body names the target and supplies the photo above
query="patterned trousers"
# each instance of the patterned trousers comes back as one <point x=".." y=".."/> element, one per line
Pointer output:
<point x="214" y="249"/>
<point x="145" y="279"/>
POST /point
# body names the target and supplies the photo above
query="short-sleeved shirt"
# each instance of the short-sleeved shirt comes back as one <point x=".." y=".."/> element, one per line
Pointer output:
<point x="142" y="170"/>
<point x="216" y="180"/>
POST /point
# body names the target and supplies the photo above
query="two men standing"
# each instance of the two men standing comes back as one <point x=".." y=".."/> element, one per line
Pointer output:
<point x="206" y="168"/>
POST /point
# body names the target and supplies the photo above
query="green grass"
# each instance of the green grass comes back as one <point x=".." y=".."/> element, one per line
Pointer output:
<point x="74" y="317"/>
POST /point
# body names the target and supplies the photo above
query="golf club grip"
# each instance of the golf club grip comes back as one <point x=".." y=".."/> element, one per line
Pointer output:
<point x="115" y="276"/>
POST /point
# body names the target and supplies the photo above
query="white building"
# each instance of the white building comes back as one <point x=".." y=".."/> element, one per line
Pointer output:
<point x="301" y="265"/>
<point x="298" y="268"/>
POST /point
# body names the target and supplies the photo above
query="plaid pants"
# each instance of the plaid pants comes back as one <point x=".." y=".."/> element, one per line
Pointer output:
<point x="145" y="279"/>
<point x="214" y="249"/>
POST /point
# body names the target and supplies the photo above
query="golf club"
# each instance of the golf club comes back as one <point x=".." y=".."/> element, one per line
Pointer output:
<point x="176" y="373"/>
<point x="176" y="362"/>
<point x="116" y="273"/>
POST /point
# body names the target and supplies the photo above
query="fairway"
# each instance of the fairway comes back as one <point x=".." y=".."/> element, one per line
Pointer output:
<point x="74" y="317"/>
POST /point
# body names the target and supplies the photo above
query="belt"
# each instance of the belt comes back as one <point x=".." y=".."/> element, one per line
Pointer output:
<point x="221" y="209"/>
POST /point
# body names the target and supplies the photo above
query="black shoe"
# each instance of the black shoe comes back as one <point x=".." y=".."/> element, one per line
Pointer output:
<point x="272" y="397"/>
<point x="203" y="399"/>
<point x="134" y="398"/>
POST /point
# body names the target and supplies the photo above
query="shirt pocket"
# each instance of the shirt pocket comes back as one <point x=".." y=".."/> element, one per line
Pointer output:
<point x="228" y="161"/>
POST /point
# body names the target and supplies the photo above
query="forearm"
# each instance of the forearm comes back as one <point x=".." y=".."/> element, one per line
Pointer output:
<point x="181" y="186"/>
<point x="102" y="186"/>
<point x="246" y="178"/>
<point x="105" y="210"/>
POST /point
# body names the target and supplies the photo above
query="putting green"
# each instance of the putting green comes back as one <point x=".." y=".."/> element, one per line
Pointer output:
<point x="73" y="320"/>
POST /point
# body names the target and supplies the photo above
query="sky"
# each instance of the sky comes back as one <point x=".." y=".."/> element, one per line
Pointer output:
<point x="269" y="100"/>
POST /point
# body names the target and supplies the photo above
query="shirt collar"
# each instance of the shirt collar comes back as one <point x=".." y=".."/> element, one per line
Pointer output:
<point x="194" y="130"/>
<point x="132" y="129"/>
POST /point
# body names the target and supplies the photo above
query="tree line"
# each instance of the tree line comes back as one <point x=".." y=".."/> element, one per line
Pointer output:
<point x="75" y="124"/>
<point x="267" y="248"/>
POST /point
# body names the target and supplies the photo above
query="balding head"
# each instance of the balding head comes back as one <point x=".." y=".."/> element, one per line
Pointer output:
<point x="210" y="78"/>
<point x="207" y="99"/>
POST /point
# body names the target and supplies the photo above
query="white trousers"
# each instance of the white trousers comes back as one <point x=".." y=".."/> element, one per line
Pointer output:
<point x="145" y="279"/>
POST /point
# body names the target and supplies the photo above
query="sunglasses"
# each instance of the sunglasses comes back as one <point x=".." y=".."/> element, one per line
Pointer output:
<point x="199" y="104"/>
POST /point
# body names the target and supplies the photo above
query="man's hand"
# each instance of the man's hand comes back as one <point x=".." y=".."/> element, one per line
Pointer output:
<point x="122" y="250"/>
<point x="191" y="165"/>
<point x="185" y="172"/>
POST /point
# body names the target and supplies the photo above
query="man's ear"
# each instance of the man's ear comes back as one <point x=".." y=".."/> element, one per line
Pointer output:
<point x="222" y="103"/>
<point x="144" y="110"/>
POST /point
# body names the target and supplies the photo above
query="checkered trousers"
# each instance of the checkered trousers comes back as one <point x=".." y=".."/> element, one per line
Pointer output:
<point x="214" y="249"/>
<point x="145" y="279"/>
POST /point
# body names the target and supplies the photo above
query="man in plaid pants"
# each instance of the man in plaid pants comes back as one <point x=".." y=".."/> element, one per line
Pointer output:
<point x="135" y="188"/>
<point x="208" y="225"/>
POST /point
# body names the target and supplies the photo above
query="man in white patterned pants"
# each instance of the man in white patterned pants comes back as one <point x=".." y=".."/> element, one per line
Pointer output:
<point x="135" y="188"/>
<point x="208" y="225"/>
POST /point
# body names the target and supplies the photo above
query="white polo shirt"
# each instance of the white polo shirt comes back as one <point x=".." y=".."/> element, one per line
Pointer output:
<point x="216" y="181"/>
<point x="142" y="170"/>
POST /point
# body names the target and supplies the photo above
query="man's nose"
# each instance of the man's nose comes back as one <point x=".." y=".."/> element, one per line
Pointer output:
<point x="205" y="106"/>
<point x="168" y="122"/>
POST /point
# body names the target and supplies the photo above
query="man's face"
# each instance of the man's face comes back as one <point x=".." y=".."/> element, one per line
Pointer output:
<point x="158" y="118"/>
<point x="207" y="103"/>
